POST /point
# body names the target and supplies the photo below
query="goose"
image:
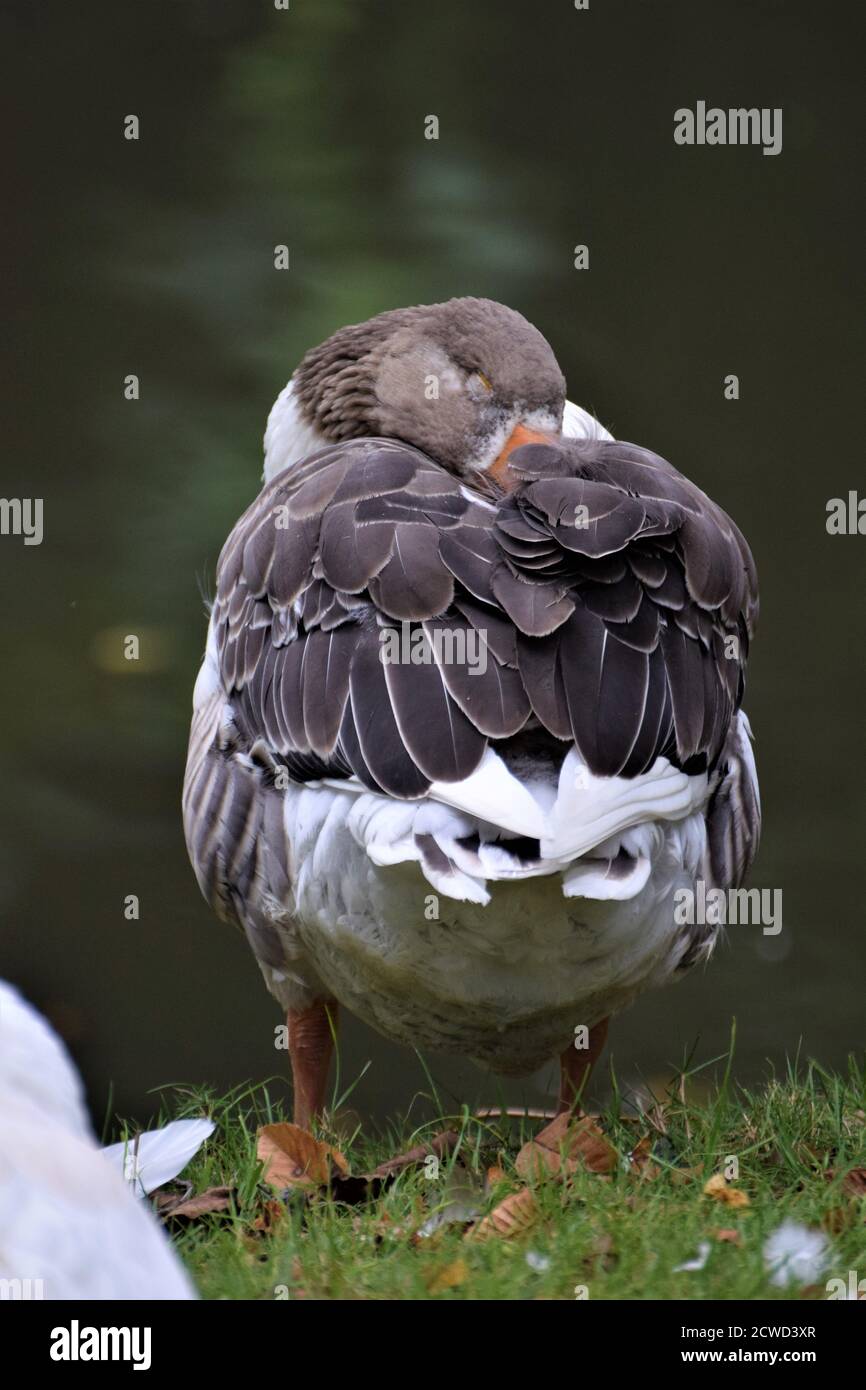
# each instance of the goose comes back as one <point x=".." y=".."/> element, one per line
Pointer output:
<point x="469" y="715"/>
<point x="70" y="1227"/>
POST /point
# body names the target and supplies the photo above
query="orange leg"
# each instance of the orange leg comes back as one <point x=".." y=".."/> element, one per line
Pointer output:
<point x="311" y="1043"/>
<point x="576" y="1065"/>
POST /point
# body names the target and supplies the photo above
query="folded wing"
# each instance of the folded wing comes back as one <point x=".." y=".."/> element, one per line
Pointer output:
<point x="376" y="619"/>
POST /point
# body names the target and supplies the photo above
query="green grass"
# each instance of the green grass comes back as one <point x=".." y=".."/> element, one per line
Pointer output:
<point x="620" y="1236"/>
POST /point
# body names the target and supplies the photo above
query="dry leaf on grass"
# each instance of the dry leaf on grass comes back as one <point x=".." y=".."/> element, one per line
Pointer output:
<point x="854" y="1183"/>
<point x="836" y="1220"/>
<point x="565" y="1145"/>
<point x="721" y="1190"/>
<point x="451" y="1277"/>
<point x="511" y="1217"/>
<point x="853" y="1186"/>
<point x="165" y="1199"/>
<point x="641" y="1159"/>
<point x="190" y="1208"/>
<point x="726" y="1235"/>
<point x="295" y="1158"/>
<point x="272" y="1214"/>
<point x="438" y="1147"/>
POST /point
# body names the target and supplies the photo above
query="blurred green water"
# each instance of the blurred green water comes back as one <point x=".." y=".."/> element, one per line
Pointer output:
<point x="156" y="257"/>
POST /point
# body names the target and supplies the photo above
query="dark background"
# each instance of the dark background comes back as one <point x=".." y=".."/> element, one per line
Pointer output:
<point x="261" y="127"/>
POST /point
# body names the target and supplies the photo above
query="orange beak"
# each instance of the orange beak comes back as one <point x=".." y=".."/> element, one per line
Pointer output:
<point x="519" y="436"/>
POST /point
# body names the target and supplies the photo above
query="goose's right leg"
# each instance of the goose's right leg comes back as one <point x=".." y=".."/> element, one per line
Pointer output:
<point x="311" y="1044"/>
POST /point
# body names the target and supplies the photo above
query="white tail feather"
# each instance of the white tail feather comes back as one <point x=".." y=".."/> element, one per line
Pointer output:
<point x="601" y="833"/>
<point x="590" y="809"/>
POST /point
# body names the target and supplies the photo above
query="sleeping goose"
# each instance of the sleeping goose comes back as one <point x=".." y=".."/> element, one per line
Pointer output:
<point x="469" y="713"/>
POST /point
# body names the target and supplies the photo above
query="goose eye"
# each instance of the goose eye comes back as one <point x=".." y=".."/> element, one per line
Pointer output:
<point x="485" y="381"/>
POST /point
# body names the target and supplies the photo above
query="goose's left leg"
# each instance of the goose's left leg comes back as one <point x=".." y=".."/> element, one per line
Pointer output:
<point x="311" y="1043"/>
<point x="576" y="1065"/>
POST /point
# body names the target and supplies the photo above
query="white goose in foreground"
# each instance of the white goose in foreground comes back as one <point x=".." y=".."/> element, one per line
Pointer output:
<point x="469" y="714"/>
<point x="70" y="1227"/>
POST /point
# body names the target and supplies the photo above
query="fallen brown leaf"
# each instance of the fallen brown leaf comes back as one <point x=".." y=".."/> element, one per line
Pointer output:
<point x="451" y="1277"/>
<point x="511" y="1217"/>
<point x="165" y="1199"/>
<point x="439" y="1146"/>
<point x="837" y="1219"/>
<point x="272" y="1214"/>
<point x="295" y="1158"/>
<point x="642" y="1150"/>
<point x="567" y="1144"/>
<point x="721" y="1190"/>
<point x="728" y="1236"/>
<point x="854" y="1183"/>
<point x="641" y="1160"/>
<point x="853" y="1186"/>
<point x="190" y="1208"/>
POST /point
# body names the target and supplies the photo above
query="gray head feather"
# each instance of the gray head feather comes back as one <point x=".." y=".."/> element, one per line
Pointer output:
<point x="452" y="379"/>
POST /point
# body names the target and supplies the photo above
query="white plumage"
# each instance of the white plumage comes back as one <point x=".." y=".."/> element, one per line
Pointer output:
<point x="494" y="962"/>
<point x="70" y="1228"/>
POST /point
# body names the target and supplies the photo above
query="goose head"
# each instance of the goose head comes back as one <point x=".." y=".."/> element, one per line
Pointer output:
<point x="466" y="382"/>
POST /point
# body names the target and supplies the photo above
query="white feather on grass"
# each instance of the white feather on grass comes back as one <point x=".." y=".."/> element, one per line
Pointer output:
<point x="794" y="1254"/>
<point x="158" y="1155"/>
<point x="691" y="1266"/>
